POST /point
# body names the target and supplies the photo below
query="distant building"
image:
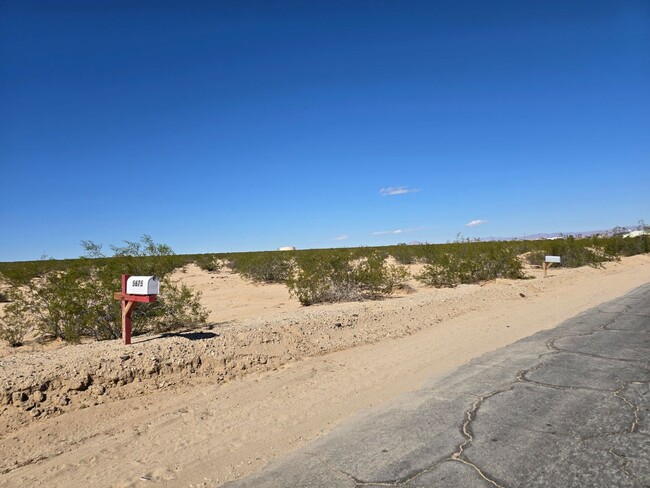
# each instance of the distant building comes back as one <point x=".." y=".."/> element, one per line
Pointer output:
<point x="287" y="248"/>
<point x="637" y="233"/>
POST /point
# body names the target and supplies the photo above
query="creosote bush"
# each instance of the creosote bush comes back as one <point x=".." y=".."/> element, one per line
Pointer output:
<point x="11" y="330"/>
<point x="78" y="302"/>
<point x="209" y="263"/>
<point x="574" y="252"/>
<point x="333" y="276"/>
<point x="268" y="267"/>
<point x="470" y="262"/>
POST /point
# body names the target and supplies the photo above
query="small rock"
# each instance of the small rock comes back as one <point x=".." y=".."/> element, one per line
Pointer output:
<point x="35" y="413"/>
<point x="64" y="400"/>
<point x="38" y="396"/>
<point x="125" y="357"/>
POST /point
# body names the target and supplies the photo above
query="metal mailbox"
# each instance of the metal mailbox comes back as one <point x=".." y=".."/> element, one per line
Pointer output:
<point x="142" y="285"/>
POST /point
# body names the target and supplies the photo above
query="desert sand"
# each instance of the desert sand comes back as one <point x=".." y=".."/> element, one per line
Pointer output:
<point x="208" y="406"/>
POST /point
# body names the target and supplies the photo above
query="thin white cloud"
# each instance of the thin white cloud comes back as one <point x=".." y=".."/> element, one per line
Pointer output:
<point x="387" y="232"/>
<point x="396" y="231"/>
<point x="476" y="222"/>
<point x="396" y="190"/>
<point x="341" y="238"/>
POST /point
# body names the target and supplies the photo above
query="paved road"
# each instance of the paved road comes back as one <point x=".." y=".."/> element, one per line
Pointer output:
<point x="563" y="408"/>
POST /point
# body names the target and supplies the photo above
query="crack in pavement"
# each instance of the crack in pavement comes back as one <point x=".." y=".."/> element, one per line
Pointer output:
<point x="459" y="455"/>
<point x="635" y="408"/>
<point x="360" y="483"/>
<point x="596" y="356"/>
<point x="480" y="473"/>
<point x="624" y="462"/>
<point x="470" y="416"/>
<point x="456" y="456"/>
<point x="334" y="468"/>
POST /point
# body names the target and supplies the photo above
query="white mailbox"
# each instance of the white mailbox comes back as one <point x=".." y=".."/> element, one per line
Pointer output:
<point x="142" y="285"/>
<point x="552" y="259"/>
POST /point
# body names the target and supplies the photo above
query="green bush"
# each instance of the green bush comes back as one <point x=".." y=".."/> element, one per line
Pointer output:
<point x="574" y="252"/>
<point x="375" y="278"/>
<point x="535" y="258"/>
<point x="264" y="267"/>
<point x="13" y="326"/>
<point x="208" y="262"/>
<point x="403" y="254"/>
<point x="78" y="302"/>
<point x="178" y="307"/>
<point x="333" y="276"/>
<point x="321" y="277"/>
<point x="471" y="263"/>
<point x="626" y="246"/>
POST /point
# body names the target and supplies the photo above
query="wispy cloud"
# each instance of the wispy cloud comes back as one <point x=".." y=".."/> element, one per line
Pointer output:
<point x="397" y="190"/>
<point x="341" y="238"/>
<point x="396" y="231"/>
<point x="476" y="222"/>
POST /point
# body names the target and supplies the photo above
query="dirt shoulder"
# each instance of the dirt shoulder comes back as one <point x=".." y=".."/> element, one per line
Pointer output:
<point x="67" y="414"/>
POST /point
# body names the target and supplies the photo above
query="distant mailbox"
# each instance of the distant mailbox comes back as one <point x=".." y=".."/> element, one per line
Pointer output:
<point x="142" y="285"/>
<point x="552" y="259"/>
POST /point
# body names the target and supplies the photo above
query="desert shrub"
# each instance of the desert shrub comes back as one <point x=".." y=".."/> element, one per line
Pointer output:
<point x="178" y="307"/>
<point x="21" y="272"/>
<point x="263" y="267"/>
<point x="471" y="263"/>
<point x="79" y="302"/>
<point x="626" y="246"/>
<point x="321" y="277"/>
<point x="375" y="278"/>
<point x="12" y="327"/>
<point x="536" y="258"/>
<point x="208" y="262"/>
<point x="403" y="254"/>
<point x="12" y="332"/>
<point x="574" y="252"/>
<point x="334" y="276"/>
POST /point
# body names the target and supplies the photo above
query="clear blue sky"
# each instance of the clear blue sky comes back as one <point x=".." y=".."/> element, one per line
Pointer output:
<point x="231" y="126"/>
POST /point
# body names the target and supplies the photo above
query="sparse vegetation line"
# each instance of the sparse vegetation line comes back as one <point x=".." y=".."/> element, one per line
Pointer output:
<point x="71" y="299"/>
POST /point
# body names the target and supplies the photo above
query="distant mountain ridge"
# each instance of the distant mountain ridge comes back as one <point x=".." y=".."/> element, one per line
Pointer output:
<point x="555" y="235"/>
<point x="550" y="235"/>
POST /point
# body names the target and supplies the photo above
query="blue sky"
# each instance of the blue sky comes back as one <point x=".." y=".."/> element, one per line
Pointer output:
<point x="232" y="126"/>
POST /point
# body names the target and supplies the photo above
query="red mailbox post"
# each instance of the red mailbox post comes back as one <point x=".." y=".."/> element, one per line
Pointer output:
<point x="128" y="303"/>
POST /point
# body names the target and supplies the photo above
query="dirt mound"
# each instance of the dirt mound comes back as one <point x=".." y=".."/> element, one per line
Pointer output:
<point x="35" y="385"/>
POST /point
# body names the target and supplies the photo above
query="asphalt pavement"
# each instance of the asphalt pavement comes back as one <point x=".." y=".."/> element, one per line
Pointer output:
<point x="567" y="407"/>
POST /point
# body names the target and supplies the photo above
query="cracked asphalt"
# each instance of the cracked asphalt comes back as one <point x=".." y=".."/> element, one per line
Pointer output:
<point x="565" y="407"/>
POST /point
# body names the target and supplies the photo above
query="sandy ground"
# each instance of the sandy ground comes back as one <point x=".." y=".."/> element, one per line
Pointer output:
<point x="202" y="408"/>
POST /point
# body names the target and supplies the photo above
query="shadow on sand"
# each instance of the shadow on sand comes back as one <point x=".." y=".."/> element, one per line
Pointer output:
<point x="192" y="336"/>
